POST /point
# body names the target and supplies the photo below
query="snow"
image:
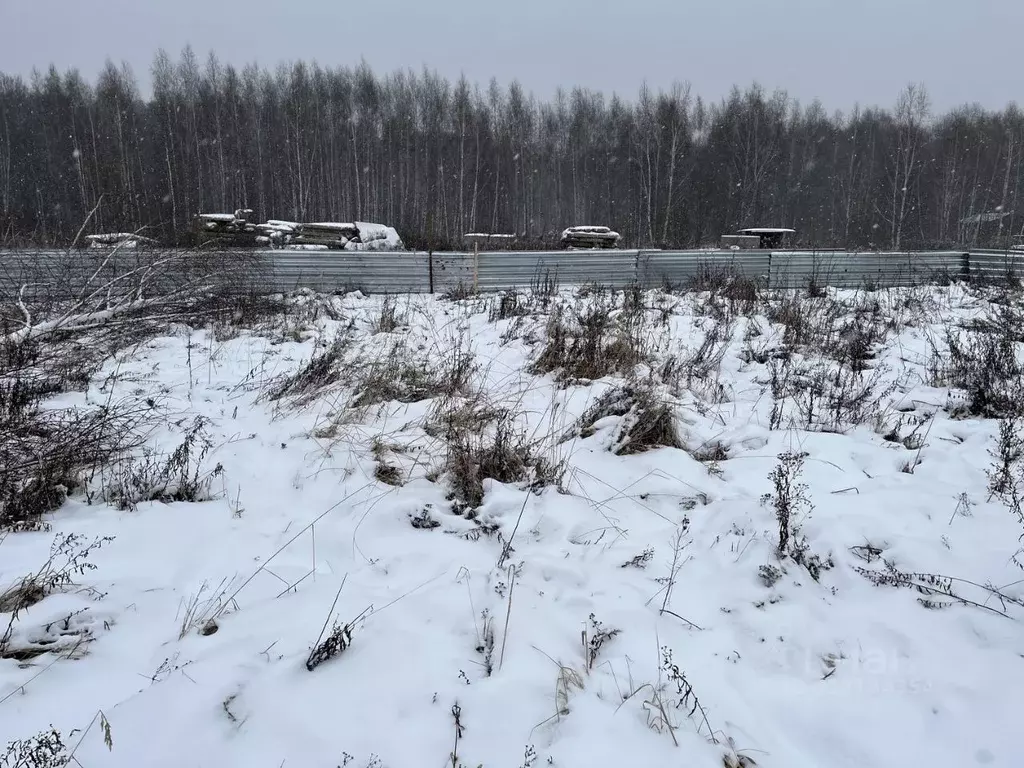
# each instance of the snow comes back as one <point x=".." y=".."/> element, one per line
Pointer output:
<point x="228" y="217"/>
<point x="586" y="234"/>
<point x="118" y="239"/>
<point x="801" y="674"/>
<point x="588" y="229"/>
<point x="112" y="236"/>
<point x="120" y="243"/>
<point x="332" y="225"/>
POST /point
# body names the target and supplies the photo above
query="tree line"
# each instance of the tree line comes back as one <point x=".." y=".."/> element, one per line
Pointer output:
<point x="437" y="159"/>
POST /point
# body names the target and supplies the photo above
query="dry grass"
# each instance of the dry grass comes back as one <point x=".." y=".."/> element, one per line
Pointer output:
<point x="502" y="453"/>
<point x="404" y="377"/>
<point x="646" y="420"/>
<point x="322" y="371"/>
<point x="592" y="341"/>
<point x="385" y="471"/>
<point x="69" y="558"/>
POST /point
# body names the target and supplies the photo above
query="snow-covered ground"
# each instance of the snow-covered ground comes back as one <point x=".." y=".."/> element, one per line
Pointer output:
<point x="636" y="612"/>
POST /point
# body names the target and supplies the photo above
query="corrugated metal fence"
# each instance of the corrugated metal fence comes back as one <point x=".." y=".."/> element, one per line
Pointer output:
<point x="51" y="273"/>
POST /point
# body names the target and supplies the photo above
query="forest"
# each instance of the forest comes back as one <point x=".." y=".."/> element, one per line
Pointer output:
<point x="438" y="159"/>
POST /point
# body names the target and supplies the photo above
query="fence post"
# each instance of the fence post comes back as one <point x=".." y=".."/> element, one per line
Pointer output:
<point x="430" y="269"/>
<point x="965" y="266"/>
<point x="476" y="267"/>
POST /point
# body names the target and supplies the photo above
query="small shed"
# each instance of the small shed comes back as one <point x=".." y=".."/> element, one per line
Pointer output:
<point x="770" y="237"/>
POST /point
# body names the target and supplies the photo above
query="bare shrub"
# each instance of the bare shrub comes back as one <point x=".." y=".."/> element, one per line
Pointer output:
<point x="769" y="575"/>
<point x="825" y="395"/>
<point x="808" y="322"/>
<point x="788" y="498"/>
<point x="617" y="401"/>
<point x="389" y="319"/>
<point x="451" y="417"/>
<point x="459" y="292"/>
<point x="860" y="335"/>
<point x="79" y="309"/>
<point x="179" y="476"/>
<point x="730" y="292"/>
<point x="507" y="305"/>
<point x="647" y="421"/>
<point x="69" y="558"/>
<point x="503" y="453"/>
<point x="44" y="750"/>
<point x="790" y="503"/>
<point x="337" y="640"/>
<point x="424" y="521"/>
<point x="640" y="561"/>
<point x="649" y="424"/>
<point x="950" y="589"/>
<point x="698" y="370"/>
<point x="121" y="292"/>
<point x="835" y="397"/>
<point x="330" y="644"/>
<point x="544" y="284"/>
<point x="671" y="693"/>
<point x="45" y="452"/>
<point x="1006" y="476"/>
<point x="987" y="367"/>
<point x="400" y="377"/>
<point x="384" y="471"/>
<point x="594" y="638"/>
<point x="233" y="313"/>
<point x="1004" y="319"/>
<point x="319" y="373"/>
<point x="591" y="344"/>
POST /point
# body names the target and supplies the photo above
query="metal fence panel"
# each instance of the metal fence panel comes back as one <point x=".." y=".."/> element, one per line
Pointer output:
<point x="451" y="271"/>
<point x="38" y="275"/>
<point x="861" y="269"/>
<point x="500" y="270"/>
<point x="683" y="268"/>
<point x="330" y="271"/>
<point x="996" y="265"/>
<point x="59" y="274"/>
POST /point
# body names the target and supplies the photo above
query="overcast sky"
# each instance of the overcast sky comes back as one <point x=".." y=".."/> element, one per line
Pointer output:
<point x="839" y="51"/>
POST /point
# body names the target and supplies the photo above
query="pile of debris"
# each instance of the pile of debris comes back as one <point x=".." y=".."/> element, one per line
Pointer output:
<point x="276" y="233"/>
<point x="230" y="229"/>
<point x="358" y="236"/>
<point x="236" y="230"/>
<point x="327" y="234"/>
<point x="118" y="240"/>
<point x="587" y="237"/>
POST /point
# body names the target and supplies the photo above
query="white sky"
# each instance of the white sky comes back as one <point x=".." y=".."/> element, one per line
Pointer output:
<point x="839" y="51"/>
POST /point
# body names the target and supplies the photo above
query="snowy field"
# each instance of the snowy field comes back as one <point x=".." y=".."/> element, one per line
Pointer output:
<point x="550" y="528"/>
